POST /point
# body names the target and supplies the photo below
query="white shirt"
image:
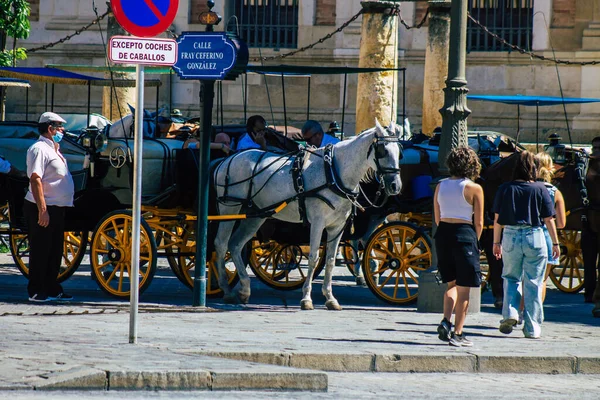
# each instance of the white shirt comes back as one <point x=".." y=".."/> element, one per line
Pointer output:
<point x="246" y="142"/>
<point x="51" y="166"/>
<point x="328" y="139"/>
<point x="4" y="166"/>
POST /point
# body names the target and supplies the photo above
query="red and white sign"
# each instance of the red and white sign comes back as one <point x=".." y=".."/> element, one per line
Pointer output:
<point x="135" y="50"/>
<point x="145" y="18"/>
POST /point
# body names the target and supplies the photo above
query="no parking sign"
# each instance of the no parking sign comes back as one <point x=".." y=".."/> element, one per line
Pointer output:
<point x="145" y="18"/>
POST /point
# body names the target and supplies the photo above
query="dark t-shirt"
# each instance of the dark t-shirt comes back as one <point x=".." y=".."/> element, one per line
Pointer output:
<point x="523" y="203"/>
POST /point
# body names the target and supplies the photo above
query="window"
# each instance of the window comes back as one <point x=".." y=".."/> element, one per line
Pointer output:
<point x="512" y="20"/>
<point x="268" y="23"/>
<point x="35" y="10"/>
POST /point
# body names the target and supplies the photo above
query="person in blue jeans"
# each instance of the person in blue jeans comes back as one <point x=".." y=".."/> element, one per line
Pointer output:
<point x="521" y="208"/>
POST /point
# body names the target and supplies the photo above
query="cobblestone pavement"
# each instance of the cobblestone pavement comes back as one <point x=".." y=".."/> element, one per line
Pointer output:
<point x="39" y="341"/>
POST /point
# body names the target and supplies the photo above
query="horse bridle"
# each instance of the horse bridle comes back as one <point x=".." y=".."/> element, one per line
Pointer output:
<point x="379" y="150"/>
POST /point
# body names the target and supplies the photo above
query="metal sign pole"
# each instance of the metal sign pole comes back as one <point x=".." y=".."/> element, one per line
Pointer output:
<point x="208" y="93"/>
<point x="137" y="203"/>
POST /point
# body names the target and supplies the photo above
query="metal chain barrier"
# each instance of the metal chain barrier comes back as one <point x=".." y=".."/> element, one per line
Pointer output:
<point x="69" y="37"/>
<point x="395" y="11"/>
<point x="529" y="53"/>
<point x="310" y="46"/>
<point x="418" y="26"/>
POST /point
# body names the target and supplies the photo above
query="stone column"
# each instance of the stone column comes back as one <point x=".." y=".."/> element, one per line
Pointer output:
<point x="586" y="123"/>
<point x="124" y="95"/>
<point x="436" y="64"/>
<point x="377" y="93"/>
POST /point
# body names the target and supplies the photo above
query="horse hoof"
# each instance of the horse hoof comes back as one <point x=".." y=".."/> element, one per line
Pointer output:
<point x="243" y="298"/>
<point x="360" y="281"/>
<point x="230" y="298"/>
<point x="306" y="305"/>
<point x="333" y="305"/>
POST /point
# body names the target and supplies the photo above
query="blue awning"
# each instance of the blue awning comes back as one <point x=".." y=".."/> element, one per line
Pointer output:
<point x="55" y="75"/>
<point x="532" y="100"/>
<point x="14" y="82"/>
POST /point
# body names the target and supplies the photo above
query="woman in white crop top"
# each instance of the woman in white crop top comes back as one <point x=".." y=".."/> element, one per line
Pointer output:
<point x="458" y="212"/>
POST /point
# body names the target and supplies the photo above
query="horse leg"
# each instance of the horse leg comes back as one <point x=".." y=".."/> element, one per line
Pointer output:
<point x="221" y="240"/>
<point x="332" y="245"/>
<point x="238" y="240"/>
<point x="316" y="230"/>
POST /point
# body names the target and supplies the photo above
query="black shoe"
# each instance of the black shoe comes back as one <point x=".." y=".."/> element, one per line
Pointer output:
<point x="444" y="329"/>
<point x="39" y="298"/>
<point x="507" y="325"/>
<point x="61" y="297"/>
<point x="460" y="340"/>
<point x="498" y="302"/>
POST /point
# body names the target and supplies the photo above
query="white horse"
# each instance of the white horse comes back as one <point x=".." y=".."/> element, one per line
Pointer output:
<point x="255" y="180"/>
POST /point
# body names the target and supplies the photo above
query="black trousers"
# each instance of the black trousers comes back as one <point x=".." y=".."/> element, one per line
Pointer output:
<point x="590" y="245"/>
<point x="45" y="250"/>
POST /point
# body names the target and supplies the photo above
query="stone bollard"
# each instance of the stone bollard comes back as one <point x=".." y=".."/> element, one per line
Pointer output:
<point x="433" y="301"/>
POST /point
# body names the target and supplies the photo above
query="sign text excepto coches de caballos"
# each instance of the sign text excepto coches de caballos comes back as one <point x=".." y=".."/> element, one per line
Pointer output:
<point x="149" y="51"/>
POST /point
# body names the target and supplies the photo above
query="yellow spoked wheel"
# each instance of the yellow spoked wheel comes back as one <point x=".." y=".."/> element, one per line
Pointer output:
<point x="282" y="266"/>
<point x="110" y="254"/>
<point x="351" y="257"/>
<point x="4" y="213"/>
<point x="182" y="258"/>
<point x="392" y="259"/>
<point x="75" y="244"/>
<point x="568" y="276"/>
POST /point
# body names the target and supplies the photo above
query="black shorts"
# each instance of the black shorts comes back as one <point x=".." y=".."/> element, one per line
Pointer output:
<point x="457" y="252"/>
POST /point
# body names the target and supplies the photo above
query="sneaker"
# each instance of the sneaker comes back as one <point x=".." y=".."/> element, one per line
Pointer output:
<point x="507" y="325"/>
<point x="39" y="298"/>
<point x="61" y="297"/>
<point x="530" y="335"/>
<point x="444" y="329"/>
<point x="457" y="340"/>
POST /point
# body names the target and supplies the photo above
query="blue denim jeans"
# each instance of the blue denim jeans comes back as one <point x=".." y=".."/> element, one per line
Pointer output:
<point x="525" y="256"/>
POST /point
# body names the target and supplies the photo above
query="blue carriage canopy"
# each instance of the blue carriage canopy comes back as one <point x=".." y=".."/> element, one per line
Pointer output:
<point x="521" y="100"/>
<point x="12" y="82"/>
<point x="59" y="76"/>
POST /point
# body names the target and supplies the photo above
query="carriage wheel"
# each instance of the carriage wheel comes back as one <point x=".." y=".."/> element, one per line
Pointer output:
<point x="568" y="276"/>
<point x="182" y="259"/>
<point x="351" y="257"/>
<point x="280" y="266"/>
<point x="110" y="254"/>
<point x="391" y="261"/>
<point x="75" y="244"/>
<point x="485" y="273"/>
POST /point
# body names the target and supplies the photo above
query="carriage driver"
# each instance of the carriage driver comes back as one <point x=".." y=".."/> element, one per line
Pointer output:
<point x="254" y="138"/>
<point x="314" y="136"/>
<point x="50" y="191"/>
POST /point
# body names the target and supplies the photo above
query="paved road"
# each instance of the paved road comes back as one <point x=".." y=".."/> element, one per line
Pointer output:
<point x="92" y="332"/>
<point x="389" y="386"/>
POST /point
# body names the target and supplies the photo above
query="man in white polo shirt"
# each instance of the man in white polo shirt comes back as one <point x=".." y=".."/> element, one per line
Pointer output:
<point x="50" y="192"/>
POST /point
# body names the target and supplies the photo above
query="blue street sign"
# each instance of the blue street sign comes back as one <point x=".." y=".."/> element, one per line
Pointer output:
<point x="210" y="55"/>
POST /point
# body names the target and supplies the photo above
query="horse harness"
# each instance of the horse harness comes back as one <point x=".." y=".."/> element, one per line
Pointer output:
<point x="333" y="181"/>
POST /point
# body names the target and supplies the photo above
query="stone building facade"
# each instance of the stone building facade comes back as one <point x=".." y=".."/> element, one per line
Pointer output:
<point x="565" y="29"/>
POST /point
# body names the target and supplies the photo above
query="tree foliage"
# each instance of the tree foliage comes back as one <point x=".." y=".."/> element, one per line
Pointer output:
<point x="14" y="23"/>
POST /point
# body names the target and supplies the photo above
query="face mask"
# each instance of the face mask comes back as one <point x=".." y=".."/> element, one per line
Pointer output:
<point x="57" y="137"/>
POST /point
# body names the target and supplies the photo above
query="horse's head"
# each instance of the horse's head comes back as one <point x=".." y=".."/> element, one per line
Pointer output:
<point x="387" y="153"/>
<point x="150" y="130"/>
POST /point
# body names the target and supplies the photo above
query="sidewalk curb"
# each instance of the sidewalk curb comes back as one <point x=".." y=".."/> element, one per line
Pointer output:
<point x="85" y="378"/>
<point x="423" y="363"/>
